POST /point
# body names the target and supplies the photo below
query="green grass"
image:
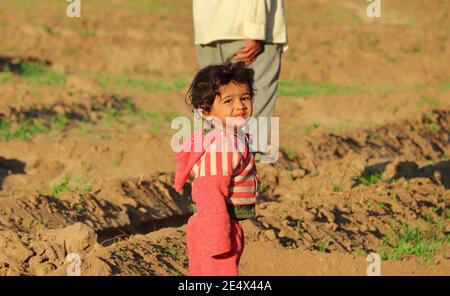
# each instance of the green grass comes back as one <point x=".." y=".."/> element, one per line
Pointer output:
<point x="360" y="251"/>
<point x="31" y="4"/>
<point x="59" y="122"/>
<point x="416" y="49"/>
<point x="369" y="180"/>
<point x="411" y="241"/>
<point x="42" y="75"/>
<point x="4" y="130"/>
<point x="28" y="223"/>
<point x="340" y="127"/>
<point x="337" y="188"/>
<point x="25" y="130"/>
<point x="356" y="18"/>
<point x="153" y="116"/>
<point x="323" y="245"/>
<point x="298" y="225"/>
<point x="60" y="188"/>
<point x="443" y="87"/>
<point x="367" y="206"/>
<point x="150" y="6"/>
<point x="110" y="115"/>
<point x="341" y="15"/>
<point x="374" y="136"/>
<point x="138" y="84"/>
<point x="434" y="128"/>
<point x="158" y="121"/>
<point x="128" y="114"/>
<point x="394" y="196"/>
<point x="307" y="88"/>
<point x="381" y="90"/>
<point x="66" y="185"/>
<point x="175" y="255"/>
<point x="31" y="127"/>
<point x="80" y="206"/>
<point x="157" y="6"/>
<point x="82" y="186"/>
<point x="444" y="157"/>
<point x="153" y="6"/>
<point x="130" y="108"/>
<point x="121" y="253"/>
<point x="117" y="118"/>
<point x="433" y="103"/>
<point x="118" y="157"/>
<point x="34" y="73"/>
<point x="88" y="32"/>
<point x="427" y="217"/>
<point x="372" y="179"/>
<point x="262" y="188"/>
<point x="304" y="88"/>
<point x="5" y="77"/>
<point x="307" y="130"/>
<point x="289" y="153"/>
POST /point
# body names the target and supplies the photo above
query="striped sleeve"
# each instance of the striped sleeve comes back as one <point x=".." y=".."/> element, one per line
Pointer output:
<point x="221" y="158"/>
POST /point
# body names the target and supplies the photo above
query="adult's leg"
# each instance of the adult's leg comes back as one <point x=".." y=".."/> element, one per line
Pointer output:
<point x="267" y="72"/>
<point x="208" y="54"/>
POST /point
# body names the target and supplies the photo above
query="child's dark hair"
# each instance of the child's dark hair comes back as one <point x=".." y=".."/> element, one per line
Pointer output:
<point x="205" y="86"/>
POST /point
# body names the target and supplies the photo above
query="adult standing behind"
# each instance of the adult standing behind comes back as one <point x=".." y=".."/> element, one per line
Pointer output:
<point x="253" y="31"/>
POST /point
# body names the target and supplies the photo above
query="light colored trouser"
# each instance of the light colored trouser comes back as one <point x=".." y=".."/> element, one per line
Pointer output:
<point x="266" y="66"/>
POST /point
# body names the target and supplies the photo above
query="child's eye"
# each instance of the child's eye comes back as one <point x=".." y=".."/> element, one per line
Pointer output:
<point x="227" y="101"/>
<point x="246" y="98"/>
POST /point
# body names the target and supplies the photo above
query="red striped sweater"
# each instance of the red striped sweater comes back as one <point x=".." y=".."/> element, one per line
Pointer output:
<point x="224" y="156"/>
<point x="224" y="173"/>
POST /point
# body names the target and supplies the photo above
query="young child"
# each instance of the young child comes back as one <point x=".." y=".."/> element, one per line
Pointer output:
<point x="225" y="185"/>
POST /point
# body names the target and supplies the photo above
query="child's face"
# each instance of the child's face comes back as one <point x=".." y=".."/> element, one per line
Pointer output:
<point x="235" y="103"/>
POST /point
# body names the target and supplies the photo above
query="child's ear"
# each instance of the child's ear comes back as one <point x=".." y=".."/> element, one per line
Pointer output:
<point x="200" y="114"/>
<point x="206" y="115"/>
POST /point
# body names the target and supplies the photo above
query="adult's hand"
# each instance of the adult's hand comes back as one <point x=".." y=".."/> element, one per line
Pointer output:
<point x="249" y="53"/>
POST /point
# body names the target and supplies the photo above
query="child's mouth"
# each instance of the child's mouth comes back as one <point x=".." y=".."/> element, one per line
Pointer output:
<point x="240" y="119"/>
<point x="243" y="115"/>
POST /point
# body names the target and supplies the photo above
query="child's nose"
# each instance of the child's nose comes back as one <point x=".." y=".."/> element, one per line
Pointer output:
<point x="239" y="104"/>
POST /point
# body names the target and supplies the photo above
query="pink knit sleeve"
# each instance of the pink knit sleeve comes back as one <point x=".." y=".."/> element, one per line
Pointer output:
<point x="209" y="193"/>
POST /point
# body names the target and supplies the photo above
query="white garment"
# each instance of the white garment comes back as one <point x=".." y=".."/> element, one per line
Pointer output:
<point x="216" y="20"/>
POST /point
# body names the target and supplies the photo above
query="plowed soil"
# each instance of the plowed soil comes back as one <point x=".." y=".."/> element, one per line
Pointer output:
<point x="86" y="165"/>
